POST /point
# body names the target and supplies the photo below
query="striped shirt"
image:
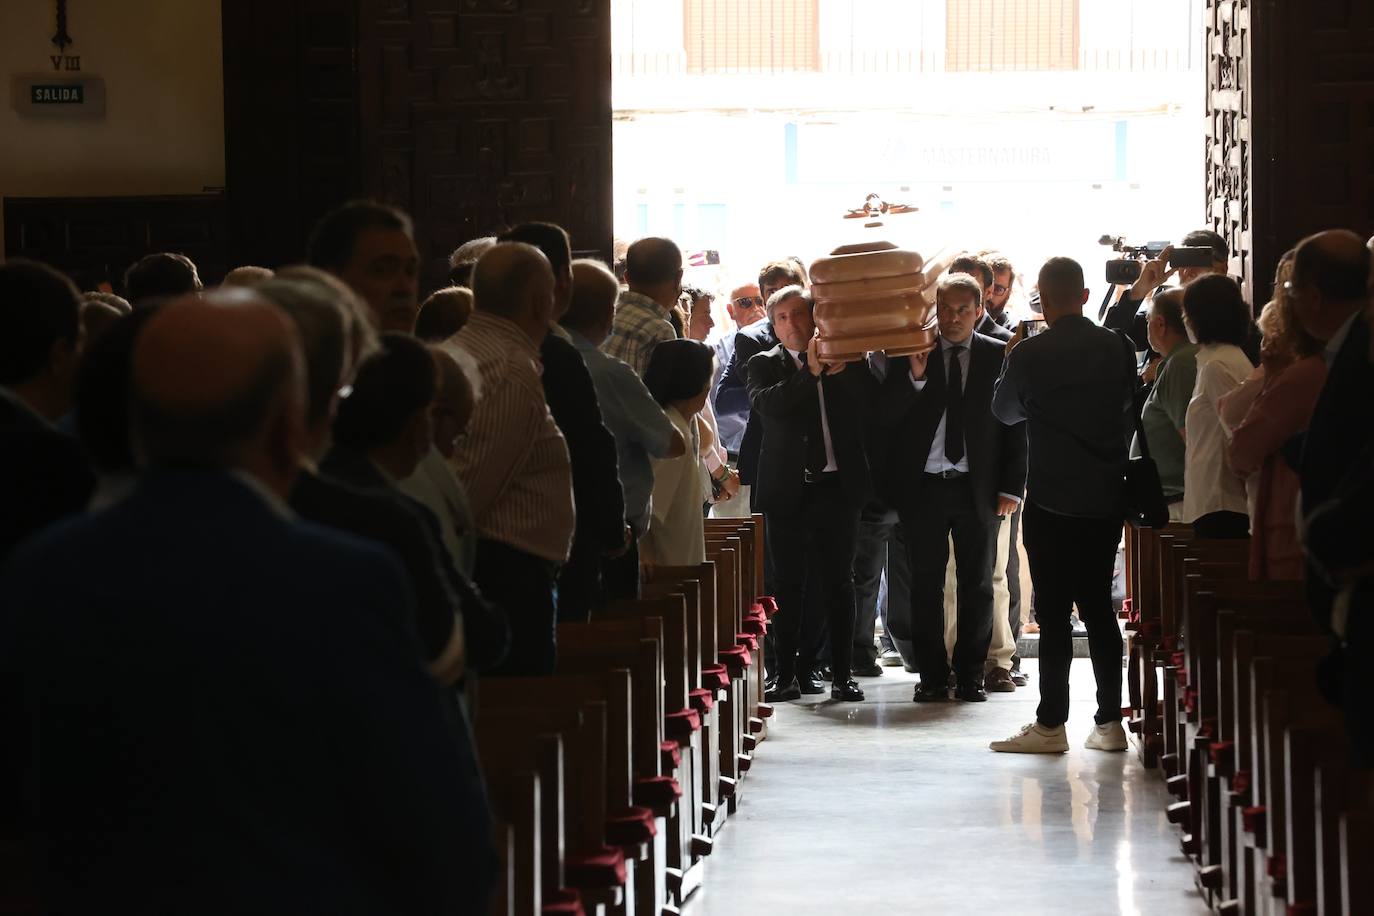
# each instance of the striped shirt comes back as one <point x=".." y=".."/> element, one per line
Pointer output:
<point x="513" y="460"/>
<point x="640" y="324"/>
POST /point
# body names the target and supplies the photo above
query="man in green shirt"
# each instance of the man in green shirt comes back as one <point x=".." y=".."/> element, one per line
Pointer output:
<point x="1167" y="405"/>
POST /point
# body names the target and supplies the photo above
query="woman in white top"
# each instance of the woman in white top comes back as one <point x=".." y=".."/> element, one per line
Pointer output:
<point x="1218" y="320"/>
<point x="679" y="378"/>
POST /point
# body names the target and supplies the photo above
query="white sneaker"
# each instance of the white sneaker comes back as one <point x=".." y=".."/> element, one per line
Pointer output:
<point x="1034" y="739"/>
<point x="1109" y="737"/>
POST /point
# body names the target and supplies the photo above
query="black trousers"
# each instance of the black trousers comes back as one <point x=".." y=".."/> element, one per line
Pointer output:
<point x="523" y="586"/>
<point x="579" y="586"/>
<point x="813" y="545"/>
<point x="1071" y="562"/>
<point x="949" y="511"/>
<point x="620" y="575"/>
<point x="880" y="547"/>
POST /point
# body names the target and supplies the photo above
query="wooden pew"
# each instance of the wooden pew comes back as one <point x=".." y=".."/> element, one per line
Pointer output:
<point x="598" y="760"/>
<point x="595" y="648"/>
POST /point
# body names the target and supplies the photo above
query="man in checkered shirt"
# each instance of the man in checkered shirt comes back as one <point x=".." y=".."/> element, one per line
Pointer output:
<point x="644" y="315"/>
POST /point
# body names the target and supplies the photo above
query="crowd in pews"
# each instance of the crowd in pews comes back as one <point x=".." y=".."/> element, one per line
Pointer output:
<point x="319" y="596"/>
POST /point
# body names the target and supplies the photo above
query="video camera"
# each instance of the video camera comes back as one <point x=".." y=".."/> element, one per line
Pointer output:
<point x="1126" y="269"/>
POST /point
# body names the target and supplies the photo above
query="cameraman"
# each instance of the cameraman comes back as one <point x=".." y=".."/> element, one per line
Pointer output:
<point x="1128" y="316"/>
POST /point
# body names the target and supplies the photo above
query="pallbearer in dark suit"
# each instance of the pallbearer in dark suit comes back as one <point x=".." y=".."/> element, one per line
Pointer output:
<point x="953" y="470"/>
<point x="812" y="482"/>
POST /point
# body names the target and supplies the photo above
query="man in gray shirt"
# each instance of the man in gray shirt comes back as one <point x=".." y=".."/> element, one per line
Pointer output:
<point x="1072" y="385"/>
<point x="640" y="427"/>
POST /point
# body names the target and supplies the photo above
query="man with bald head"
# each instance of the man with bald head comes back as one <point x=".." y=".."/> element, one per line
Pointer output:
<point x="1330" y="294"/>
<point x="514" y="461"/>
<point x="221" y="709"/>
<point x="653" y="270"/>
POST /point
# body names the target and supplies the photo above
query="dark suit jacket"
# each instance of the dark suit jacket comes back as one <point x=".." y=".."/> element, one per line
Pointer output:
<point x="1341" y="431"/>
<point x="733" y="395"/>
<point x="440" y="585"/>
<point x="43" y="474"/>
<point x="996" y="452"/>
<point x="225" y="717"/>
<point x="786" y="408"/>
<point x="597" y="494"/>
<point x="989" y="327"/>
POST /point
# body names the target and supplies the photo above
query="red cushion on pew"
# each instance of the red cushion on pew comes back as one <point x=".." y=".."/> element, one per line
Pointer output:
<point x="1240" y="781"/>
<point x="1207" y="728"/>
<point x="1222" y="754"/>
<point x="1253" y="818"/>
<point x="566" y="902"/>
<point x="1178" y="659"/>
<point x="671" y="752"/>
<point x="601" y="869"/>
<point x="755" y="626"/>
<point x="702" y="700"/>
<point x="657" y="791"/>
<point x="736" y="658"/>
<point x="715" y="677"/>
<point x="769" y="604"/>
<point x="632" y="826"/>
<point x="748" y="640"/>
<point x="680" y="725"/>
<point x="1190" y="699"/>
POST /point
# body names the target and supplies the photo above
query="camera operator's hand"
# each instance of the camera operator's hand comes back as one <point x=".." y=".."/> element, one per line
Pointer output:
<point x="1153" y="273"/>
<point x="1015" y="339"/>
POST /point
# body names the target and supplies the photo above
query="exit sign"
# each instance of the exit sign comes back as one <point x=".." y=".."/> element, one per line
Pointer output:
<point x="58" y="95"/>
<point x="51" y="96"/>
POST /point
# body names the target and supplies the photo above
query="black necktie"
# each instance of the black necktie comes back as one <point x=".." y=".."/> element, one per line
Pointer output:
<point x="954" y="408"/>
<point x="815" y="442"/>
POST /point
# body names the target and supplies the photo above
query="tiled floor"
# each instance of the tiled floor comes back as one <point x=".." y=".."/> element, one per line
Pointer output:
<point x="890" y="807"/>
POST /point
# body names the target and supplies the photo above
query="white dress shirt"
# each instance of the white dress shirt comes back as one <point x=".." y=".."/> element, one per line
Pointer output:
<point x="1208" y="484"/>
<point x="937" y="462"/>
<point x="830" y="465"/>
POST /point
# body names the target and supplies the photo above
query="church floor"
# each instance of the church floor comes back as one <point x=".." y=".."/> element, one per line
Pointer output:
<point x="887" y="806"/>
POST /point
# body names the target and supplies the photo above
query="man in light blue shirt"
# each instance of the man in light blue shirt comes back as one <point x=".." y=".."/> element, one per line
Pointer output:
<point x="641" y="429"/>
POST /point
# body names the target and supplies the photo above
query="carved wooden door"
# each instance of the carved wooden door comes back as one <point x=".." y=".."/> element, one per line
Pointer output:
<point x="1290" y="135"/>
<point x="479" y="114"/>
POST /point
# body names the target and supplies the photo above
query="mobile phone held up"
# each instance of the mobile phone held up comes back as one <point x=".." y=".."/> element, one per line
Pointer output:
<point x="1032" y="326"/>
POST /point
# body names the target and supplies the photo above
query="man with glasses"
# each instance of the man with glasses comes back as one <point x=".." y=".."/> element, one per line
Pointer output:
<point x="997" y="297"/>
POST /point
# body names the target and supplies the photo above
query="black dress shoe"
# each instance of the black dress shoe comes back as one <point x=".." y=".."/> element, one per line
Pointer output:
<point x="869" y="669"/>
<point x="971" y="693"/>
<point x="781" y="693"/>
<point x="823" y="673"/>
<point x="846" y="690"/>
<point x="929" y="694"/>
<point x="810" y="684"/>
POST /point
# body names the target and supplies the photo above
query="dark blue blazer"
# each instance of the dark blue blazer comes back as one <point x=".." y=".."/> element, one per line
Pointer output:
<point x="225" y="716"/>
<point x="733" y="397"/>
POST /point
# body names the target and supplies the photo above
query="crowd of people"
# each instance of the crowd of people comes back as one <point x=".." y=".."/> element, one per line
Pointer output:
<point x="259" y="539"/>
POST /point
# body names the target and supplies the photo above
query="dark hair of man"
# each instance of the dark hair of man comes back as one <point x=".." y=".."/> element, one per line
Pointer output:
<point x="160" y="276"/>
<point x="691" y="294"/>
<point x="652" y="262"/>
<point x="549" y="238"/>
<point x="1168" y="305"/>
<point x="101" y="394"/>
<point x="389" y="388"/>
<point x="775" y="272"/>
<point x="210" y="437"/>
<point x="336" y="234"/>
<point x="678" y="370"/>
<point x="999" y="262"/>
<point x="795" y="291"/>
<point x="1338" y="279"/>
<point x="959" y="282"/>
<point x="1216" y="310"/>
<point x="1061" y="281"/>
<point x="118" y="303"/>
<point x="1206" y="238"/>
<point x="323" y="328"/>
<point x="973" y="267"/>
<point x="38" y="307"/>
